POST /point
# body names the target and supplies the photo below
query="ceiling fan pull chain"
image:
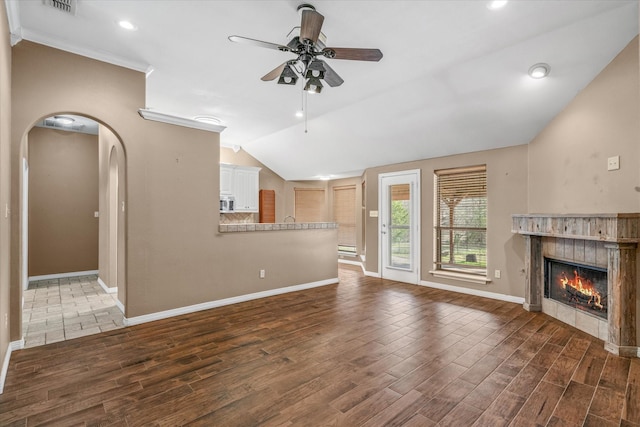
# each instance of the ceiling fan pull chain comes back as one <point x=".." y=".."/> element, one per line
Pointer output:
<point x="306" y="103"/>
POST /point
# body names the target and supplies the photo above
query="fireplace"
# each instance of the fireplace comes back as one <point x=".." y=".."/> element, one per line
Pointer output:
<point x="582" y="270"/>
<point x="579" y="286"/>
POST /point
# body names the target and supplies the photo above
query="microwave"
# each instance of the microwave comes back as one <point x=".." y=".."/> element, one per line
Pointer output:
<point x="227" y="203"/>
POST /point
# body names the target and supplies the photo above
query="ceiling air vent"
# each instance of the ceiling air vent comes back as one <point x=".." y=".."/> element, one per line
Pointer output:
<point x="67" y="6"/>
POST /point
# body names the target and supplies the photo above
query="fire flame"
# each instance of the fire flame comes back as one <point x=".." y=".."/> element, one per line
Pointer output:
<point x="582" y="286"/>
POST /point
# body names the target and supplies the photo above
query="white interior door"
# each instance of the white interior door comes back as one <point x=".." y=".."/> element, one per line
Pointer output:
<point x="399" y="207"/>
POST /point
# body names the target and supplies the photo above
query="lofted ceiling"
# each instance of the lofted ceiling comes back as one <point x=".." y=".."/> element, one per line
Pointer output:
<point x="453" y="78"/>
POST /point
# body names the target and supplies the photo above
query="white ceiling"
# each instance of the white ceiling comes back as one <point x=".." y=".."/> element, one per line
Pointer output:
<point x="453" y="78"/>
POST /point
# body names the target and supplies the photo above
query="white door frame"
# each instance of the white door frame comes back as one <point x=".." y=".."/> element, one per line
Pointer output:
<point x="412" y="275"/>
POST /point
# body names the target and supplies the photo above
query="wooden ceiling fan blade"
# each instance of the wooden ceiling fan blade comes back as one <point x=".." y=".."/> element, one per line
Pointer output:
<point x="311" y="25"/>
<point x="259" y="43"/>
<point x="274" y="74"/>
<point x="354" y="54"/>
<point x="330" y="76"/>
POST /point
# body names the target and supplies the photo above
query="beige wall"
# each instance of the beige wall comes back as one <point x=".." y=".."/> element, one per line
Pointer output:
<point x="5" y="176"/>
<point x="112" y="259"/>
<point x="63" y="196"/>
<point x="175" y="256"/>
<point x="506" y="195"/>
<point x="568" y="159"/>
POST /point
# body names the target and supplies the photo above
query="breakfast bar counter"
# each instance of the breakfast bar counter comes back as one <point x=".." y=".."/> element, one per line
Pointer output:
<point x="251" y="227"/>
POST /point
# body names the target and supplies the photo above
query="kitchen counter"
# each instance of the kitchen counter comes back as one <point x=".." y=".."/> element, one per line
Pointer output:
<point x="249" y="227"/>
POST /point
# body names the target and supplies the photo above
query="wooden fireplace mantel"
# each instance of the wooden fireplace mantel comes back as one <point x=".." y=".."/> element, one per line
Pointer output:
<point x="619" y="235"/>
<point x="617" y="227"/>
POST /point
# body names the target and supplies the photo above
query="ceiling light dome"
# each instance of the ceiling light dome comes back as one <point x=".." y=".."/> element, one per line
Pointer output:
<point x="64" y="120"/>
<point x="208" y="120"/>
<point x="127" y="25"/>
<point x="497" y="4"/>
<point x="539" y="71"/>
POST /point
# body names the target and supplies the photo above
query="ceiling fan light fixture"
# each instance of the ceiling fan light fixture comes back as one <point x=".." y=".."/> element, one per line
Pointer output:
<point x="316" y="70"/>
<point x="288" y="76"/>
<point x="314" y="85"/>
<point x="539" y="71"/>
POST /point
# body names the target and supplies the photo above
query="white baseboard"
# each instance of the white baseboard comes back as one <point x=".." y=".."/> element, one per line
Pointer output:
<point x="476" y="292"/>
<point x="370" y="273"/>
<point x="14" y="345"/>
<point x="347" y="261"/>
<point x="227" y="301"/>
<point x="63" y="275"/>
<point x="107" y="289"/>
<point x="120" y="306"/>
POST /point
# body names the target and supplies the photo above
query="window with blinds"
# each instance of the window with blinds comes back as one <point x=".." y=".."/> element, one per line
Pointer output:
<point x="344" y="213"/>
<point x="309" y="204"/>
<point x="461" y="219"/>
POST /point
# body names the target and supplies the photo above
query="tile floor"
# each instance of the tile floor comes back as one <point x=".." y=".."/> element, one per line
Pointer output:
<point x="62" y="309"/>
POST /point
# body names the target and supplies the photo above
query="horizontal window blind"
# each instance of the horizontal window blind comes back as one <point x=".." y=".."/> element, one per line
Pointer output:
<point x="309" y="204"/>
<point x="344" y="213"/>
<point x="461" y="219"/>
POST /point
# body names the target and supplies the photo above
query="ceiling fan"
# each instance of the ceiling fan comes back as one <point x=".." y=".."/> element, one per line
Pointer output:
<point x="309" y="48"/>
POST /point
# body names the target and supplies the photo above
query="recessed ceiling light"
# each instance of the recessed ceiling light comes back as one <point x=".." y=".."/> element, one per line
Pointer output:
<point x="299" y="113"/>
<point x="539" y="71"/>
<point x="210" y="120"/>
<point x="497" y="4"/>
<point x="127" y="25"/>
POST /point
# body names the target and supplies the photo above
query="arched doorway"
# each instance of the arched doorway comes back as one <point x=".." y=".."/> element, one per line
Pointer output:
<point x="71" y="299"/>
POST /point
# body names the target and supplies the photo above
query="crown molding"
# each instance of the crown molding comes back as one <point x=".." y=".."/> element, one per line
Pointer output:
<point x="13" y="17"/>
<point x="179" y="121"/>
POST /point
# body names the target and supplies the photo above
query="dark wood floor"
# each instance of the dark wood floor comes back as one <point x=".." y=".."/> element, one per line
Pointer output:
<point x="365" y="352"/>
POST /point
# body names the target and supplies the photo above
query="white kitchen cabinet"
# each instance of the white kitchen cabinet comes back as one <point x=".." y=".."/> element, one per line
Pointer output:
<point x="246" y="183"/>
<point x="226" y="179"/>
<point x="242" y="182"/>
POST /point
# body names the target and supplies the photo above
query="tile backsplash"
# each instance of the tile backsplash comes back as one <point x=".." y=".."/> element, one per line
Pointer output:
<point x="239" y="218"/>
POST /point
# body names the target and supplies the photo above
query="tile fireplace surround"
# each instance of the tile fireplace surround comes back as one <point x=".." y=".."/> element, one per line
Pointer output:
<point x="601" y="240"/>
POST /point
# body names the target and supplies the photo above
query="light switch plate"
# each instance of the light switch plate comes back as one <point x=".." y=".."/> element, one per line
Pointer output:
<point x="373" y="214"/>
<point x="613" y="163"/>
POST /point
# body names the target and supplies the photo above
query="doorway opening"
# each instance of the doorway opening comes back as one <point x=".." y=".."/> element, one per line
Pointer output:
<point x="69" y="275"/>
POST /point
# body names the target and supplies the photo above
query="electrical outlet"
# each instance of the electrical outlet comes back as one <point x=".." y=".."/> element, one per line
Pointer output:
<point x="262" y="274"/>
<point x="497" y="274"/>
<point x="613" y="163"/>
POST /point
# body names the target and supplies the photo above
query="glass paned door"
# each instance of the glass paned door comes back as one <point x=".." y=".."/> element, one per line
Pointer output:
<point x="400" y="226"/>
<point x="399" y="249"/>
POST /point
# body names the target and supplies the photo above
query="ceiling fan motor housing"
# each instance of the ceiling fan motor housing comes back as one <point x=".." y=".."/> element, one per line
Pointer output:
<point x="305" y="6"/>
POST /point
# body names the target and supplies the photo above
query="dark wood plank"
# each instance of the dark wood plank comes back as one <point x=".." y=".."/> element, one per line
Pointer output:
<point x="574" y="403"/>
<point x="364" y="352"/>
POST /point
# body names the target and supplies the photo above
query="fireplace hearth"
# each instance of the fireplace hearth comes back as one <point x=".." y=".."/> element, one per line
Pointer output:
<point x="595" y="284"/>
<point x="578" y="286"/>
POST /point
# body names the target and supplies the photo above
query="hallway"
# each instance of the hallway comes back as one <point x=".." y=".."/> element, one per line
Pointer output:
<point x="62" y="309"/>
